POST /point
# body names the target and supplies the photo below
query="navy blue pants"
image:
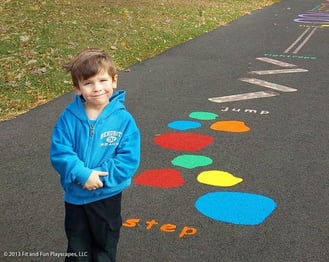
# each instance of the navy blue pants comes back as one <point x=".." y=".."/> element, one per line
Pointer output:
<point x="93" y="230"/>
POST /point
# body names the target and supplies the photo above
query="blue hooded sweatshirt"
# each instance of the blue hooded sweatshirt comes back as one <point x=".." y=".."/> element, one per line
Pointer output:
<point x="110" y="144"/>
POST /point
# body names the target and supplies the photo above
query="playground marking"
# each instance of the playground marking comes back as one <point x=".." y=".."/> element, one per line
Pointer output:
<point x="290" y="56"/>
<point x="275" y="62"/>
<point x="300" y="38"/>
<point x="279" y="71"/>
<point x="167" y="228"/>
<point x="267" y="84"/>
<point x="245" y="96"/>
<point x="263" y="83"/>
<point x="240" y="208"/>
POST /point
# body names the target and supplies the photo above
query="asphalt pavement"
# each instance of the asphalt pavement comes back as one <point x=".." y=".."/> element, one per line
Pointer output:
<point x="235" y="160"/>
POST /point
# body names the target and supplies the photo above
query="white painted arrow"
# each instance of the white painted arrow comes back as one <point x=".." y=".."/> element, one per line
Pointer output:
<point x="263" y="83"/>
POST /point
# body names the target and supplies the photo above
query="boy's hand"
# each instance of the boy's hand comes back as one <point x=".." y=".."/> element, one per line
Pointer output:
<point x="93" y="181"/>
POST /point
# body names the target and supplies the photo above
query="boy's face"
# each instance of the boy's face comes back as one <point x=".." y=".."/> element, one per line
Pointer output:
<point x="97" y="89"/>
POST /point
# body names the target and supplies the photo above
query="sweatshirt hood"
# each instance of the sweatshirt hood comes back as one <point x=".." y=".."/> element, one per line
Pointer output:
<point x="116" y="103"/>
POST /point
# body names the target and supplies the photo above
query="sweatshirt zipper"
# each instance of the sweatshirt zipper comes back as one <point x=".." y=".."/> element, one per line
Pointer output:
<point x="92" y="130"/>
<point x="90" y="142"/>
<point x="92" y="124"/>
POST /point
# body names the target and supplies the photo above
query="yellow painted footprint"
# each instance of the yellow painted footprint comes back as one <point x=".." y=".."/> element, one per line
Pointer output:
<point x="218" y="178"/>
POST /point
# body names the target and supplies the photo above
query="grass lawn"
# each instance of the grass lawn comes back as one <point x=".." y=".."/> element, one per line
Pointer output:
<point x="38" y="36"/>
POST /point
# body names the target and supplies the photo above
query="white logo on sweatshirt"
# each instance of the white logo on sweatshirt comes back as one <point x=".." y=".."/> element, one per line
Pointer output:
<point x="110" y="138"/>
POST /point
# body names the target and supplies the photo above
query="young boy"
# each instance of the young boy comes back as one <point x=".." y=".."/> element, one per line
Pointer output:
<point x="96" y="150"/>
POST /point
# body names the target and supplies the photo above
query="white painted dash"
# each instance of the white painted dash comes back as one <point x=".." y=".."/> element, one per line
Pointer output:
<point x="279" y="71"/>
<point x="267" y="84"/>
<point x="275" y="62"/>
<point x="245" y="96"/>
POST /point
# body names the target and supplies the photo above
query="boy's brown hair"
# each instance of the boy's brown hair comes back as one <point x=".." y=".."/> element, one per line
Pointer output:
<point x="88" y="63"/>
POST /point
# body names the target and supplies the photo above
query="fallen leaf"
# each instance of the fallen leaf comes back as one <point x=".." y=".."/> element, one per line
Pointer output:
<point x="39" y="71"/>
